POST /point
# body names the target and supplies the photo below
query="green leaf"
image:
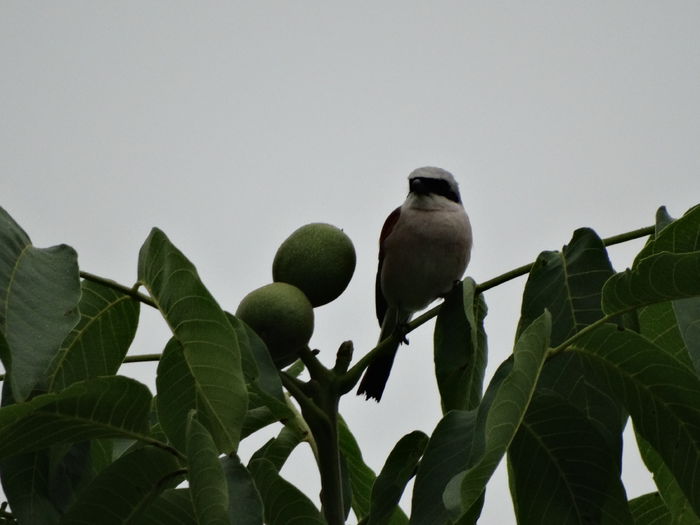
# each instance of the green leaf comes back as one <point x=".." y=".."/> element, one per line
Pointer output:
<point x="649" y="509"/>
<point x="177" y="394"/>
<point x="361" y="476"/>
<point x="208" y="339"/>
<point x="261" y="374"/>
<point x="284" y="503"/>
<point x="674" y="501"/>
<point x="687" y="312"/>
<point x="39" y="293"/>
<point x="26" y="484"/>
<point x="502" y="417"/>
<point x="205" y="475"/>
<point x="245" y="505"/>
<point x="660" y="393"/>
<point x="398" y="470"/>
<point x="112" y="406"/>
<point x="258" y="416"/>
<point x="172" y="507"/>
<point x="278" y="449"/>
<point x="658" y="323"/>
<point x="676" y="236"/>
<point x="562" y="470"/>
<point x="122" y="490"/>
<point x="460" y="348"/>
<point x="258" y="367"/>
<point x="446" y="455"/>
<point x="660" y="277"/>
<point x="568" y="284"/>
<point x="98" y="343"/>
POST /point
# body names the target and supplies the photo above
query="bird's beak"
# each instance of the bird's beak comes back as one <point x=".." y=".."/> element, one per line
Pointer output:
<point x="418" y="186"/>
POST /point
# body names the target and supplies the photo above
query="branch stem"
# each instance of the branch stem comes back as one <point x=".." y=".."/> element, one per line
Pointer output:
<point x="133" y="291"/>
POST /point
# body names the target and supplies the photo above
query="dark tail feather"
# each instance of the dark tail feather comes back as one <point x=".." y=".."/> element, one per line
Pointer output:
<point x="376" y="375"/>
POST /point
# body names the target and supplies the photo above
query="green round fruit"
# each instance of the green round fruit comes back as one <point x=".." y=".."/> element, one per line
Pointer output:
<point x="319" y="259"/>
<point x="283" y="318"/>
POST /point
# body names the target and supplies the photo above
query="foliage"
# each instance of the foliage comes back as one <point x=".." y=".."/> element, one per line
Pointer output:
<point x="594" y="350"/>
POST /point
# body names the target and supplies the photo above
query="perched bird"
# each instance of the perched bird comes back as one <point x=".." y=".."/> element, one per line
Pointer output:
<point x="424" y="249"/>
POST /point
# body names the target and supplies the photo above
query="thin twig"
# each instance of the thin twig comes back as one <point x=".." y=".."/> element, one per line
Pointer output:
<point x="131" y="291"/>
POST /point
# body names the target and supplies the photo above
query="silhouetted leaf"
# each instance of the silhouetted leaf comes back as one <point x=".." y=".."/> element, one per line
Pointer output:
<point x="98" y="343"/>
<point x="133" y="481"/>
<point x="172" y="507"/>
<point x="398" y="470"/>
<point x="446" y="454"/>
<point x="501" y="417"/>
<point x="206" y="476"/>
<point x="39" y="293"/>
<point x="674" y="501"/>
<point x="284" y="503"/>
<point x="649" y="509"/>
<point x="278" y="449"/>
<point x="562" y="470"/>
<point x="460" y="348"/>
<point x="209" y="341"/>
<point x="361" y="476"/>
<point x="568" y="284"/>
<point x="660" y="393"/>
<point x="244" y="503"/>
<point x="177" y="394"/>
<point x="112" y="406"/>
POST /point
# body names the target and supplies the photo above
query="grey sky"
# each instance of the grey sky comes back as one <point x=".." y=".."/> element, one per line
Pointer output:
<point x="230" y="124"/>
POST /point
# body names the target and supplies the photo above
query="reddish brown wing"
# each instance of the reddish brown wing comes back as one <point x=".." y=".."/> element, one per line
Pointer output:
<point x="380" y="301"/>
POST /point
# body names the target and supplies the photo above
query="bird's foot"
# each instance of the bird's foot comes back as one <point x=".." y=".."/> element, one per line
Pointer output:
<point x="401" y="331"/>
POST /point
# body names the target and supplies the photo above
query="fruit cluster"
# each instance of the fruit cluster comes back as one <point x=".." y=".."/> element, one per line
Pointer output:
<point x="312" y="267"/>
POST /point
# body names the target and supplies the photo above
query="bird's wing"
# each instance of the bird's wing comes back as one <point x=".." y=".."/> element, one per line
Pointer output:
<point x="380" y="300"/>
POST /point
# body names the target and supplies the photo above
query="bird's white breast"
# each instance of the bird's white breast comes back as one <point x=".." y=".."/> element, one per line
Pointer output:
<point x="426" y="252"/>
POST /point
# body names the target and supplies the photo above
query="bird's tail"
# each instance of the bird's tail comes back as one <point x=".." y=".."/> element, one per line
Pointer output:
<point x="377" y="373"/>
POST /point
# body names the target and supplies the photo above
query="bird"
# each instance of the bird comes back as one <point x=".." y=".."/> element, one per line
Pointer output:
<point x="424" y="249"/>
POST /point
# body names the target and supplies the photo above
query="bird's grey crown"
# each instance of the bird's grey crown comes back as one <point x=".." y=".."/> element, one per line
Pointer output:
<point x="431" y="180"/>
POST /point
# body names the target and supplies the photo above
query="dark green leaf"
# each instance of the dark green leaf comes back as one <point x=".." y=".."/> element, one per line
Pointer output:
<point x="568" y="284"/>
<point x="264" y="384"/>
<point x="446" y="455"/>
<point x="257" y="363"/>
<point x="675" y="326"/>
<point x="361" y="476"/>
<point x="172" y="507"/>
<point x="125" y="488"/>
<point x="39" y="293"/>
<point x="502" y="417"/>
<point x="208" y="339"/>
<point x="176" y="393"/>
<point x="660" y="277"/>
<point x="676" y="236"/>
<point x="245" y="505"/>
<point x="399" y="468"/>
<point x="649" y="509"/>
<point x="675" y="502"/>
<point x="460" y="348"/>
<point x="660" y="393"/>
<point x="112" y="406"/>
<point x="658" y="323"/>
<point x="284" y="503"/>
<point x="98" y="343"/>
<point x="562" y="470"/>
<point x="258" y="416"/>
<point x="25" y="481"/>
<point x="687" y="312"/>
<point x="278" y="449"/>
<point x="206" y="476"/>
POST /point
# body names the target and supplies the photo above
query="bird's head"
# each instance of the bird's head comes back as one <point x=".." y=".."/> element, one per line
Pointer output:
<point x="432" y="181"/>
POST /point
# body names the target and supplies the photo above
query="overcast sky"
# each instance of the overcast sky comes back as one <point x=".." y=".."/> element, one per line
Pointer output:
<point x="230" y="124"/>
